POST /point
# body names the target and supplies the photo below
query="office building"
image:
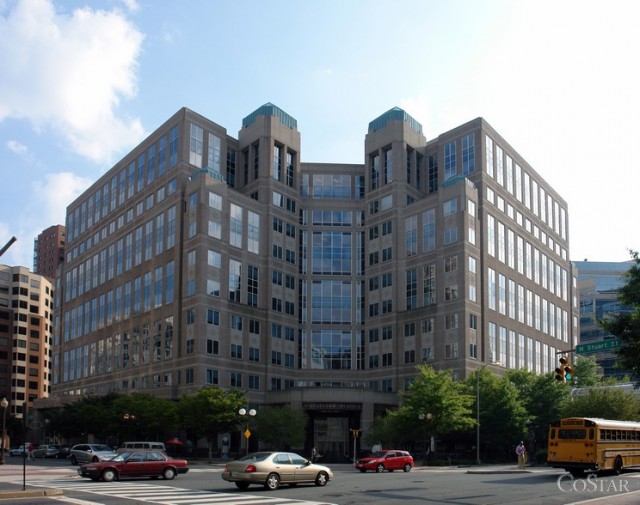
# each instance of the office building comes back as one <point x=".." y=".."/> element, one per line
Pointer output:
<point x="598" y="286"/>
<point x="26" y="329"/>
<point x="48" y="251"/>
<point x="201" y="258"/>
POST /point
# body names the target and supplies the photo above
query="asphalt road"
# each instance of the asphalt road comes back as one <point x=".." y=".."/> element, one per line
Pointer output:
<point x="203" y="485"/>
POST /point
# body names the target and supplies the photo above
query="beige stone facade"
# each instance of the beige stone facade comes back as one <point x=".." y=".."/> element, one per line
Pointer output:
<point x="26" y="331"/>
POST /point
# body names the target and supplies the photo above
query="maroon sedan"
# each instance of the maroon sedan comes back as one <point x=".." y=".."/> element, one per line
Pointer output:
<point x="152" y="464"/>
<point x="389" y="460"/>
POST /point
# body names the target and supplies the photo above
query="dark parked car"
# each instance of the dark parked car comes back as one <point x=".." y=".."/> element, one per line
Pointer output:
<point x="270" y="469"/>
<point x="135" y="464"/>
<point x="389" y="460"/>
<point x="63" y="453"/>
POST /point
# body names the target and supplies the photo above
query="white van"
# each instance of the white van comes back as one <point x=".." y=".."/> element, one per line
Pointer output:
<point x="136" y="446"/>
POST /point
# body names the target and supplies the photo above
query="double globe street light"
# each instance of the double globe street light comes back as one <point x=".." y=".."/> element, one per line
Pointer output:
<point x="426" y="418"/>
<point x="248" y="415"/>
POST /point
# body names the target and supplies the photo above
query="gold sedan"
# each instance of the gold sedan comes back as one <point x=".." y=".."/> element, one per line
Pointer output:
<point x="270" y="469"/>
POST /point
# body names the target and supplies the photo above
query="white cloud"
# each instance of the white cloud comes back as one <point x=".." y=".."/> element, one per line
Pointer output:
<point x="45" y="206"/>
<point x="53" y="194"/>
<point x="17" y="148"/>
<point x="132" y="5"/>
<point x="69" y="73"/>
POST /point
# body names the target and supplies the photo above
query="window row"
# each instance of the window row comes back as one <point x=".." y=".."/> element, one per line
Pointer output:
<point x="124" y="185"/>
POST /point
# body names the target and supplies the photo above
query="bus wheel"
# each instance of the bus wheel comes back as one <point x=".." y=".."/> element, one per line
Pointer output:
<point x="617" y="465"/>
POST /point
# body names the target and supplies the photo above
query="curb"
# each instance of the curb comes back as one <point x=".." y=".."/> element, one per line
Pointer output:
<point x="497" y="471"/>
<point x="30" y="493"/>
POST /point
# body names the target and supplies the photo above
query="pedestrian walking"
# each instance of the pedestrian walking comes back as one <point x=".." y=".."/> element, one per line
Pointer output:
<point x="30" y="449"/>
<point x="521" y="452"/>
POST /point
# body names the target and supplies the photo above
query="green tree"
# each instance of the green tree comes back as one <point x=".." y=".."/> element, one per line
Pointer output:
<point x="585" y="371"/>
<point x="502" y="412"/>
<point x="91" y="415"/>
<point x="626" y="324"/>
<point x="149" y="417"/>
<point x="209" y="412"/>
<point x="543" y="398"/>
<point x="435" y="392"/>
<point x="432" y="405"/>
<point x="605" y="402"/>
<point x="281" y="428"/>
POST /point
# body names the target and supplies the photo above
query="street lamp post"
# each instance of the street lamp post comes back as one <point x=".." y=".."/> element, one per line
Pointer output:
<point x="4" y="404"/>
<point x="247" y="415"/>
<point x="426" y="418"/>
<point x="478" y="409"/>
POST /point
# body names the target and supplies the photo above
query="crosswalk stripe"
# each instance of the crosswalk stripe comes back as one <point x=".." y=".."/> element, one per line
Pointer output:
<point x="167" y="494"/>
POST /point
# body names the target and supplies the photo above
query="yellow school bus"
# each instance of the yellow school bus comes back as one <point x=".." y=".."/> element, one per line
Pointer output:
<point x="588" y="443"/>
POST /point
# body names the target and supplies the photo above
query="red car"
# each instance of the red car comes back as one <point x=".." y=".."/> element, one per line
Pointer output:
<point x="152" y="464"/>
<point x="389" y="460"/>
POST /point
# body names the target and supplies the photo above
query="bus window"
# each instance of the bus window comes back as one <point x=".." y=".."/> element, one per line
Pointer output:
<point x="575" y="434"/>
<point x="552" y="435"/>
<point x="591" y="434"/>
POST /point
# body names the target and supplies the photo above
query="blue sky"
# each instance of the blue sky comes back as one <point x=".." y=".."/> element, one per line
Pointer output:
<point x="83" y="82"/>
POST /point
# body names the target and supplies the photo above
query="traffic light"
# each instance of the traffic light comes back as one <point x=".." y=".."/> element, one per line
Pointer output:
<point x="560" y="372"/>
<point x="568" y="370"/>
<point x="564" y="372"/>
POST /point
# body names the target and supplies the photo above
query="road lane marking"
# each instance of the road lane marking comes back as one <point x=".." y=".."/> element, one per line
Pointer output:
<point x="167" y="495"/>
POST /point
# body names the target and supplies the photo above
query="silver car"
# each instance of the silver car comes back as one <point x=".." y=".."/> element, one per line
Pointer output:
<point x="90" y="453"/>
<point x="270" y="469"/>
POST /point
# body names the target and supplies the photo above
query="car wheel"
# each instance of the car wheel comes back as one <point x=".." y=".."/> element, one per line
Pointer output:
<point x="168" y="474"/>
<point x="242" y="485"/>
<point x="109" y="475"/>
<point x="322" y="478"/>
<point x="74" y="461"/>
<point x="380" y="468"/>
<point x="407" y="467"/>
<point x="273" y="482"/>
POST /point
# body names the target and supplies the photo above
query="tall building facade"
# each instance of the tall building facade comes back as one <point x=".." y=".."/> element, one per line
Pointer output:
<point x="599" y="283"/>
<point x="26" y="330"/>
<point x="205" y="259"/>
<point x="48" y="251"/>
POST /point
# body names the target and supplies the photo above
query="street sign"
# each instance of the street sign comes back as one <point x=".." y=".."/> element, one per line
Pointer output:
<point x="602" y="345"/>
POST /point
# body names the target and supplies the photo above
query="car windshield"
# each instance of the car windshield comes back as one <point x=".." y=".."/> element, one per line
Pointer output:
<point x="379" y="454"/>
<point x="101" y="447"/>
<point x="121" y="457"/>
